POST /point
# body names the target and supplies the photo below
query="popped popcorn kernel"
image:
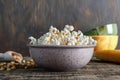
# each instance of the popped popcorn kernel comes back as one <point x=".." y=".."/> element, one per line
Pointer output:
<point x="67" y="36"/>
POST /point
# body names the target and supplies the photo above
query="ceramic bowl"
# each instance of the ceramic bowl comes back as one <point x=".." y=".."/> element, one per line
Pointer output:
<point x="108" y="29"/>
<point x="61" y="58"/>
<point x="106" y="42"/>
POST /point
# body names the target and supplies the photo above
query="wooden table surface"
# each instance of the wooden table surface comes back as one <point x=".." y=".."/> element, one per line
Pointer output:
<point x="95" y="70"/>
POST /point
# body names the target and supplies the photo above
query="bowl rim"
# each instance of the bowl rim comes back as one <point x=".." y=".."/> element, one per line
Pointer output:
<point x="62" y="46"/>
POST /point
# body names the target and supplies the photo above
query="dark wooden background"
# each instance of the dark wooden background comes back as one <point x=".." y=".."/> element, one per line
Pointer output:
<point x="20" y="19"/>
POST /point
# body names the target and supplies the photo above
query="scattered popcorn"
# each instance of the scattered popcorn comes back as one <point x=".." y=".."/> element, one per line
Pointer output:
<point x="67" y="36"/>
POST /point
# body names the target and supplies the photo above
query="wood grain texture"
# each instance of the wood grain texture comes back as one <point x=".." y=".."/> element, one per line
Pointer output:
<point x="20" y="19"/>
<point x="95" y="70"/>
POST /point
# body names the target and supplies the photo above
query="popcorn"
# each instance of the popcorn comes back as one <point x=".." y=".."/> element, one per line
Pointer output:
<point x="80" y="33"/>
<point x="55" y="42"/>
<point x="33" y="40"/>
<point x="69" y="27"/>
<point x="53" y="29"/>
<point x="64" y="37"/>
<point x="74" y="33"/>
<point x="66" y="32"/>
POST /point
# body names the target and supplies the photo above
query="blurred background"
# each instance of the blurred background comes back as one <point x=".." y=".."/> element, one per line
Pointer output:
<point x="20" y="19"/>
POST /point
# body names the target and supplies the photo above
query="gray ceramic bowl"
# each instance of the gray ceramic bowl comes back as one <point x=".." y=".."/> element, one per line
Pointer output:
<point x="61" y="57"/>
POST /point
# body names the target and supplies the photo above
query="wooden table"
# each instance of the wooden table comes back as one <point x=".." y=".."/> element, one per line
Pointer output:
<point x="95" y="70"/>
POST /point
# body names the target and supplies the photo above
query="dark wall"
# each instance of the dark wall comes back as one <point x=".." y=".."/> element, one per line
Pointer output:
<point x="20" y="19"/>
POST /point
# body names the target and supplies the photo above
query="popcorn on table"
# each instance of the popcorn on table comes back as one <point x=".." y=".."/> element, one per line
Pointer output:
<point x="67" y="36"/>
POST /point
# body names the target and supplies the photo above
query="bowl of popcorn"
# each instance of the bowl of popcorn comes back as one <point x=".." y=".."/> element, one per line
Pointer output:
<point x="62" y="50"/>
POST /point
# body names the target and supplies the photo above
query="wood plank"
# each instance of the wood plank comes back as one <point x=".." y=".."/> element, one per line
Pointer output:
<point x="20" y="19"/>
<point x="95" y="70"/>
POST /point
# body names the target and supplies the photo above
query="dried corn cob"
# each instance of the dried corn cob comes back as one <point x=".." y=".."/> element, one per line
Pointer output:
<point x="25" y="63"/>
